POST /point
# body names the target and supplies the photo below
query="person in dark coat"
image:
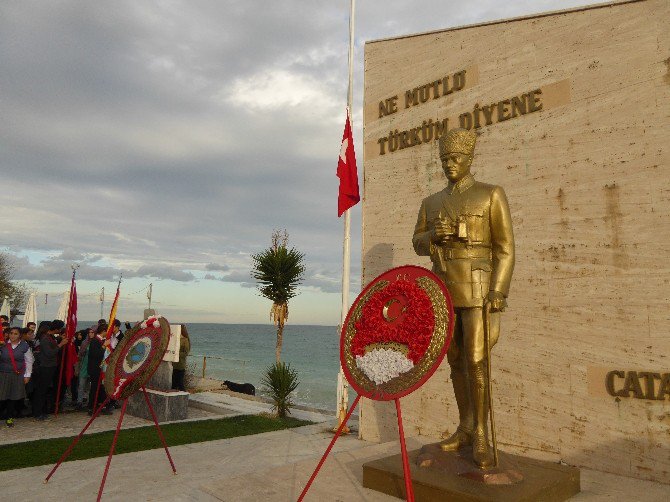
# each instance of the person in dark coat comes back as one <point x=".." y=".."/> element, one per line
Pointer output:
<point x="47" y="362"/>
<point x="96" y="354"/>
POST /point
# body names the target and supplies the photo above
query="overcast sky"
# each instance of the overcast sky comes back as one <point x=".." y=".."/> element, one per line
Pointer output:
<point x="167" y="139"/>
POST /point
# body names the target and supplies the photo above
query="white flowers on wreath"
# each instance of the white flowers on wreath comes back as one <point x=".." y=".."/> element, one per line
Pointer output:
<point x="381" y="365"/>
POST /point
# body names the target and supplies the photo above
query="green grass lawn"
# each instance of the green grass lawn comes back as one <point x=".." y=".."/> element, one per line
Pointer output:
<point x="48" y="451"/>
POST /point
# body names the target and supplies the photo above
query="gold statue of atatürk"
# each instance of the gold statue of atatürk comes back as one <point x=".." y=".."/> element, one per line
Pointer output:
<point x="466" y="229"/>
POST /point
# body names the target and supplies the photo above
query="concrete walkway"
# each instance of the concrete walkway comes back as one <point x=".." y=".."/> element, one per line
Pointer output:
<point x="273" y="466"/>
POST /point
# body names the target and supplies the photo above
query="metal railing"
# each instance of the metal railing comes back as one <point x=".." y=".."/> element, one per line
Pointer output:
<point x="205" y="357"/>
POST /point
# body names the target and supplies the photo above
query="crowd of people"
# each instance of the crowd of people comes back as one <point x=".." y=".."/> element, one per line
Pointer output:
<point x="30" y="370"/>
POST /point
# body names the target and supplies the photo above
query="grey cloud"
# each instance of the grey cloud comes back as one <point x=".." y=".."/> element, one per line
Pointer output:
<point x="242" y="277"/>
<point x="325" y="284"/>
<point x="330" y="280"/>
<point x="176" y="135"/>
<point x="58" y="270"/>
<point x="163" y="272"/>
<point x="236" y="276"/>
<point x="70" y="254"/>
<point x="97" y="135"/>
<point x="216" y="267"/>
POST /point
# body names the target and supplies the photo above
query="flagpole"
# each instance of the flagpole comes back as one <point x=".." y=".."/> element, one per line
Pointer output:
<point x="343" y="385"/>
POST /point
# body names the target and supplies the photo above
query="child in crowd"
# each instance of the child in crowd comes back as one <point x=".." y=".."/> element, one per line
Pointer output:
<point x="16" y="366"/>
<point x="29" y="332"/>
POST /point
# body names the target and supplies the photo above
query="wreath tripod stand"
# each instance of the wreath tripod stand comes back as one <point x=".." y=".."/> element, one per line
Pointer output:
<point x="409" y="491"/>
<point x="116" y="437"/>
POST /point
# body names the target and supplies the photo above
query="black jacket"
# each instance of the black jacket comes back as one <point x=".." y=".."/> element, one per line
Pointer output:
<point x="47" y="357"/>
<point x="96" y="352"/>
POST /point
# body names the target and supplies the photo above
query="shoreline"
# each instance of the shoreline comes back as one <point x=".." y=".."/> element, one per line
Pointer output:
<point x="198" y="384"/>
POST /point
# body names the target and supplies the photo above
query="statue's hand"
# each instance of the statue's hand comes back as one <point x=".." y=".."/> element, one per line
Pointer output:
<point x="440" y="231"/>
<point x="497" y="301"/>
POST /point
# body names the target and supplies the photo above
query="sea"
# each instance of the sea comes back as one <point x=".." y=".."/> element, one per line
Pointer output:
<point x="242" y="352"/>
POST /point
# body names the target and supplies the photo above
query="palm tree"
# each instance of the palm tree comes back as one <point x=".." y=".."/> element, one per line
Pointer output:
<point x="280" y="380"/>
<point x="279" y="271"/>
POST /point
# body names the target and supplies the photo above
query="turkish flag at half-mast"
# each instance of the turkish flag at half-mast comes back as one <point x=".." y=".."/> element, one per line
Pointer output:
<point x="348" y="195"/>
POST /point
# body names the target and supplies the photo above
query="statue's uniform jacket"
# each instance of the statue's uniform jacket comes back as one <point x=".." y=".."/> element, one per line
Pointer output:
<point x="482" y="259"/>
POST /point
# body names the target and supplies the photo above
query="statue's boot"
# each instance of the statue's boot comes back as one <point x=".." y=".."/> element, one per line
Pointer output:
<point x="482" y="453"/>
<point x="463" y="435"/>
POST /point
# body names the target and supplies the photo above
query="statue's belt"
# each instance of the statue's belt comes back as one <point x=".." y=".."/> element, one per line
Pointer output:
<point x="452" y="253"/>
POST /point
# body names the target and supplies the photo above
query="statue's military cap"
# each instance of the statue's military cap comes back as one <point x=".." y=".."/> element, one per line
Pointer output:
<point x="458" y="141"/>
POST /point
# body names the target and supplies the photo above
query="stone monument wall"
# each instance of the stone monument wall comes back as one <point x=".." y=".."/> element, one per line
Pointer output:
<point x="573" y="111"/>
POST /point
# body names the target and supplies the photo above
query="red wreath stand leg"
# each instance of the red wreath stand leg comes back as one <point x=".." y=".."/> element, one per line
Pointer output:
<point x="111" y="450"/>
<point x="158" y="429"/>
<point x="405" y="459"/>
<point x="114" y="441"/>
<point x="409" y="490"/>
<point x="76" y="440"/>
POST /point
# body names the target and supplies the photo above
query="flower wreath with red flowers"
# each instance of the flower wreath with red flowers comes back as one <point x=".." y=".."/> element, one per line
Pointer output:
<point x="137" y="356"/>
<point x="388" y="344"/>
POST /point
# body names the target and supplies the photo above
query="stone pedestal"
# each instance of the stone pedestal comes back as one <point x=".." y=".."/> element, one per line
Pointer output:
<point x="162" y="378"/>
<point x="451" y="476"/>
<point x="168" y="404"/>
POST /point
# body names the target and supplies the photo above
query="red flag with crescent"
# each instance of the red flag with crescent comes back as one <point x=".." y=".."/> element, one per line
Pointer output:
<point x="348" y="195"/>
